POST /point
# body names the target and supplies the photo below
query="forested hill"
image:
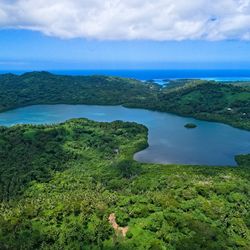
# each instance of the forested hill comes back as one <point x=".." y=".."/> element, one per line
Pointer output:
<point x="44" y="87"/>
<point x="59" y="185"/>
<point x="228" y="103"/>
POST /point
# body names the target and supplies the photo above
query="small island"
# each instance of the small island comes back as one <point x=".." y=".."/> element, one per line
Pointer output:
<point x="190" y="125"/>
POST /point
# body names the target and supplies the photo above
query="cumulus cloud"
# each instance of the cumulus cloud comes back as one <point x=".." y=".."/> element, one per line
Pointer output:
<point x="130" y="19"/>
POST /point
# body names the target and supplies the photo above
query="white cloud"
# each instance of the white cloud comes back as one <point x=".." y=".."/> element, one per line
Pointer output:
<point x="130" y="19"/>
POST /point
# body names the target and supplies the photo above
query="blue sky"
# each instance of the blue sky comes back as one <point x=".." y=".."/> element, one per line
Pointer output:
<point x="22" y="49"/>
<point x="139" y="34"/>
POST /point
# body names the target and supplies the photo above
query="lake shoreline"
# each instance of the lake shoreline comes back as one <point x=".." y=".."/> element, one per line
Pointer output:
<point x="200" y="118"/>
<point x="176" y="146"/>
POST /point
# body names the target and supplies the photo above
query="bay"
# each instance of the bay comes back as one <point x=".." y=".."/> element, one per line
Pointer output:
<point x="210" y="143"/>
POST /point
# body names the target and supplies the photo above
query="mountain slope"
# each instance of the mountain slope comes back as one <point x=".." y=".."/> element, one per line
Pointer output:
<point x="60" y="184"/>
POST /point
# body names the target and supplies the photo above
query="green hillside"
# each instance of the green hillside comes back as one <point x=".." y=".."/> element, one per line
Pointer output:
<point x="210" y="101"/>
<point x="75" y="185"/>
<point x="61" y="183"/>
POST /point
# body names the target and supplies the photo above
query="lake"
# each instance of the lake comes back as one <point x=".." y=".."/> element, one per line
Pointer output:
<point x="169" y="141"/>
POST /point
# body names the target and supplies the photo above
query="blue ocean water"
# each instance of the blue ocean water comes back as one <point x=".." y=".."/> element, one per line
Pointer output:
<point x="159" y="75"/>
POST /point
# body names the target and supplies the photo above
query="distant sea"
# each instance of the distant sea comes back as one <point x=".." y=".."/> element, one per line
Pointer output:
<point x="159" y="75"/>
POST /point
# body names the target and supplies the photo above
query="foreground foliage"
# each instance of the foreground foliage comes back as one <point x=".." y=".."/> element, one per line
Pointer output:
<point x="60" y="183"/>
<point x="228" y="103"/>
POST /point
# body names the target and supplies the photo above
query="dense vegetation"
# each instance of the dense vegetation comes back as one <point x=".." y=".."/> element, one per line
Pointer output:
<point x="46" y="88"/>
<point x="190" y="125"/>
<point x="228" y="103"/>
<point x="60" y="183"/>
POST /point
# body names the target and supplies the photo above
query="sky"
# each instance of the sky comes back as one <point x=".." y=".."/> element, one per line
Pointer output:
<point x="124" y="34"/>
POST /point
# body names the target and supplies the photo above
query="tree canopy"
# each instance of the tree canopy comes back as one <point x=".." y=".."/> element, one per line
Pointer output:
<point x="60" y="184"/>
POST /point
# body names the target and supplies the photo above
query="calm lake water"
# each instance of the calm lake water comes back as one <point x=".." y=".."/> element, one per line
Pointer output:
<point x="169" y="142"/>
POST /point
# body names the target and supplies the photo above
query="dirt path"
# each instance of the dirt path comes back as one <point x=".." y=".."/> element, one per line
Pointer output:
<point x="118" y="230"/>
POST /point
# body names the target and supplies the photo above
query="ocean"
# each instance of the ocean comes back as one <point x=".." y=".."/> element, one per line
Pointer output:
<point x="158" y="75"/>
